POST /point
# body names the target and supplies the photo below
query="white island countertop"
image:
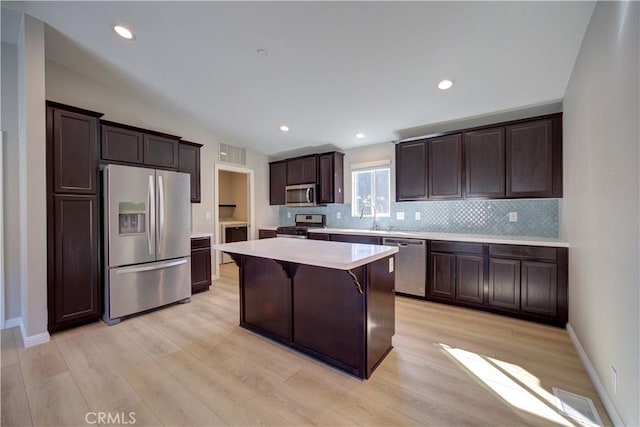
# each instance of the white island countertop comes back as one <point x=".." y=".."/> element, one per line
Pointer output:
<point x="452" y="237"/>
<point x="320" y="253"/>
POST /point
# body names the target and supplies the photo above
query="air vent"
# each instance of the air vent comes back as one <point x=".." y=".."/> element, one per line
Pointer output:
<point x="581" y="409"/>
<point x="232" y="154"/>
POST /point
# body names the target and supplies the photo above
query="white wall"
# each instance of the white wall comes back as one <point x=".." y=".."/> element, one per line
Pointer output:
<point x="32" y="182"/>
<point x="601" y="208"/>
<point x="10" y="170"/>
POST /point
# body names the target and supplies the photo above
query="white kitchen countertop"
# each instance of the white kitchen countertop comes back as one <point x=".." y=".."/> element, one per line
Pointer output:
<point x="476" y="238"/>
<point x="268" y="227"/>
<point x="197" y="235"/>
<point x="233" y="223"/>
<point x="320" y="253"/>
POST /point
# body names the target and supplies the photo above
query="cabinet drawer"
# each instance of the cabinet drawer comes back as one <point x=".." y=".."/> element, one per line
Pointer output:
<point x="318" y="236"/>
<point x="350" y="238"/>
<point x="457" y="247"/>
<point x="534" y="252"/>
<point x="266" y="234"/>
<point x="200" y="242"/>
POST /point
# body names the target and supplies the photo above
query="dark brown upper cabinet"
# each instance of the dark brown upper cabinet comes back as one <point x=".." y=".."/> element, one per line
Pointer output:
<point x="138" y="147"/>
<point x="326" y="170"/>
<point x="302" y="170"/>
<point x="530" y="159"/>
<point x="429" y="169"/>
<point x="72" y="150"/>
<point x="161" y="152"/>
<point x="517" y="159"/>
<point x="445" y="167"/>
<point x="277" y="182"/>
<point x="411" y="171"/>
<point x="189" y="162"/>
<point x="331" y="178"/>
<point x="122" y="145"/>
<point x="484" y="163"/>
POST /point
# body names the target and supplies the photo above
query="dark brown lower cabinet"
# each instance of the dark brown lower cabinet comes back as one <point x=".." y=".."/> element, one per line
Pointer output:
<point x="470" y="278"/>
<point x="319" y="236"/>
<point x="539" y="288"/>
<point x="265" y="296"/>
<point x="457" y="276"/>
<point x="328" y="316"/>
<point x="369" y="240"/>
<point x="200" y="264"/>
<point x="74" y="281"/>
<point x="504" y="283"/>
<point x="529" y="282"/>
<point x="443" y="280"/>
<point x="266" y="234"/>
<point x="345" y="320"/>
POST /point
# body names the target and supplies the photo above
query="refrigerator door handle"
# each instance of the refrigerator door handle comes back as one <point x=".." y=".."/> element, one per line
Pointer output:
<point x="160" y="211"/>
<point x="151" y="217"/>
<point x="151" y="267"/>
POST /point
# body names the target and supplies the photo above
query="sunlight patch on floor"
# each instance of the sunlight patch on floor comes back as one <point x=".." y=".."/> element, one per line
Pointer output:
<point x="498" y="379"/>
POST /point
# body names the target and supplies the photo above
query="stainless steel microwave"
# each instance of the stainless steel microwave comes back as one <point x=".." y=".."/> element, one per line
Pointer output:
<point x="300" y="195"/>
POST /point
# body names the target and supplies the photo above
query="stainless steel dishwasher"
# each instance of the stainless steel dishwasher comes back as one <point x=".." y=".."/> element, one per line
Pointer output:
<point x="411" y="265"/>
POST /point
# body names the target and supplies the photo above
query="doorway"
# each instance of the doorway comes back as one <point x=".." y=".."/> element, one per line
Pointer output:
<point x="234" y="207"/>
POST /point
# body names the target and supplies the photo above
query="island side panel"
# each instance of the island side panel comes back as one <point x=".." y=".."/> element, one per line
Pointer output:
<point x="380" y="310"/>
<point x="329" y="316"/>
<point x="266" y="297"/>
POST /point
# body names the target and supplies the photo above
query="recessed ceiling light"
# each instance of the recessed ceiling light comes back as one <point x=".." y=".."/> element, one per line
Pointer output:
<point x="445" y="84"/>
<point x="359" y="135"/>
<point x="284" y="128"/>
<point x="123" y="32"/>
<point x="261" y="52"/>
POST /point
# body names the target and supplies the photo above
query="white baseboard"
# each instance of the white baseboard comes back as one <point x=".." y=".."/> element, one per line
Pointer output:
<point x="12" y="323"/>
<point x="28" y="341"/>
<point x="593" y="375"/>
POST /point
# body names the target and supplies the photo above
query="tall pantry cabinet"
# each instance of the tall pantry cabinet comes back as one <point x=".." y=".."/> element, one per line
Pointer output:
<point x="73" y="232"/>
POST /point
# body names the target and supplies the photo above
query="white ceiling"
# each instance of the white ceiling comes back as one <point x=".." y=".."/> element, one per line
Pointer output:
<point x="332" y="69"/>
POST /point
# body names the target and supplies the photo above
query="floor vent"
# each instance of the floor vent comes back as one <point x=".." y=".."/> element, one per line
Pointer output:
<point x="578" y="408"/>
<point x="232" y="154"/>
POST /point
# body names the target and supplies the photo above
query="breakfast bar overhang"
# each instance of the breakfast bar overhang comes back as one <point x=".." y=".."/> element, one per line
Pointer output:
<point x="333" y="301"/>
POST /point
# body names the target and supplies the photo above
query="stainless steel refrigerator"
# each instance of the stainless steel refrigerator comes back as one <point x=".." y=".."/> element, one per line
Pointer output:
<point x="147" y="220"/>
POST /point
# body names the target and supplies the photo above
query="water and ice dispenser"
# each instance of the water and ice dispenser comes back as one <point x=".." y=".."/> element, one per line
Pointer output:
<point x="132" y="218"/>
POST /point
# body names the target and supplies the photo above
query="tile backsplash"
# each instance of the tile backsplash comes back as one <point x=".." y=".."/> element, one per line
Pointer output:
<point x="535" y="217"/>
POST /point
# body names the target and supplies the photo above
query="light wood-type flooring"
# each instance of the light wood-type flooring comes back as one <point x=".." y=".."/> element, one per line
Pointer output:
<point x="191" y="364"/>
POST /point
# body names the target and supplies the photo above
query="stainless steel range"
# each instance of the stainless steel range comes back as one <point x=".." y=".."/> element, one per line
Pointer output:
<point x="303" y="223"/>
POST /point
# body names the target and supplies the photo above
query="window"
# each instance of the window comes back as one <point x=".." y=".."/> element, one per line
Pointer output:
<point x="371" y="185"/>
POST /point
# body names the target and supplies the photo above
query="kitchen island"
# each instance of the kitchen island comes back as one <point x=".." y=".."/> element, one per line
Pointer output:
<point x="333" y="301"/>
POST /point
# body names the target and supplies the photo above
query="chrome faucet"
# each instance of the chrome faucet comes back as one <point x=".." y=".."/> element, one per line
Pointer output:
<point x="374" y="226"/>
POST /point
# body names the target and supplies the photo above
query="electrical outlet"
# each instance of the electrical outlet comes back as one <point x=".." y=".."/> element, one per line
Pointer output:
<point x="338" y="215"/>
<point x="288" y="214"/>
<point x="614" y="380"/>
<point x="207" y="215"/>
<point x="418" y="216"/>
<point x="400" y="216"/>
<point x="513" y="216"/>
